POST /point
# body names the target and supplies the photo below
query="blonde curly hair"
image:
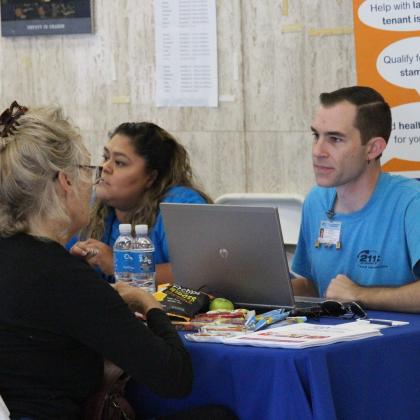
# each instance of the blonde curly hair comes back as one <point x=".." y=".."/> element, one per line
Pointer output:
<point x="34" y="146"/>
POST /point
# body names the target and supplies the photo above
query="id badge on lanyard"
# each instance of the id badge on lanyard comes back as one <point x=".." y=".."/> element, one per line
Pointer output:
<point x="329" y="234"/>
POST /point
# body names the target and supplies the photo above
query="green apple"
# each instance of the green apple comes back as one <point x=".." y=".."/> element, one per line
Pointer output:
<point x="221" y="303"/>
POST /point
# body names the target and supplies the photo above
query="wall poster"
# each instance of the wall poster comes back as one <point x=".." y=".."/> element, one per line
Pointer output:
<point x="45" y="17"/>
<point x="387" y="36"/>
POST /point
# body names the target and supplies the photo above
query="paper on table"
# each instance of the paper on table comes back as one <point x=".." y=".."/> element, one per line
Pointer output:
<point x="211" y="336"/>
<point x="305" y="335"/>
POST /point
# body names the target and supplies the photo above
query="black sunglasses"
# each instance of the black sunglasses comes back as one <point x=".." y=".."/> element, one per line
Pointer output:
<point x="348" y="310"/>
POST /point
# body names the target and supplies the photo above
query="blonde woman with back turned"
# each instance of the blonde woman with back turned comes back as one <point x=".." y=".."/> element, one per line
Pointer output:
<point x="58" y="318"/>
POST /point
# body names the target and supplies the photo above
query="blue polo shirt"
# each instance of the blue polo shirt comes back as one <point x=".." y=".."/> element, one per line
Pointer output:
<point x="380" y="243"/>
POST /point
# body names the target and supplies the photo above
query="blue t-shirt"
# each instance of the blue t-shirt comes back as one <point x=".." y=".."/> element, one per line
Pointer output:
<point x="380" y="243"/>
<point x="157" y="233"/>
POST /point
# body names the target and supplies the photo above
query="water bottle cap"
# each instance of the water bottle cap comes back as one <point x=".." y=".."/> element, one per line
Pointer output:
<point x="141" y="229"/>
<point x="124" y="228"/>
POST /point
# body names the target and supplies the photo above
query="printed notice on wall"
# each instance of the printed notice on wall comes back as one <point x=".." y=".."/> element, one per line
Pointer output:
<point x="387" y="35"/>
<point x="186" y="53"/>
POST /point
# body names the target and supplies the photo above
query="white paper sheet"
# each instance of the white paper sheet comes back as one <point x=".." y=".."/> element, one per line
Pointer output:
<point x="4" y="412"/>
<point x="298" y="336"/>
<point x="186" y="53"/>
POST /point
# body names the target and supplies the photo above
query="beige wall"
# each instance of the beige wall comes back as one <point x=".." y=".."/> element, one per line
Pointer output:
<point x="274" y="59"/>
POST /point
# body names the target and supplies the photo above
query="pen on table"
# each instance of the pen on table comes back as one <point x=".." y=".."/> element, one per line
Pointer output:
<point x="380" y="322"/>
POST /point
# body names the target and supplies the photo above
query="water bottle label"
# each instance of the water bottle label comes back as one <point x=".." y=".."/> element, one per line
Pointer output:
<point x="123" y="262"/>
<point x="145" y="262"/>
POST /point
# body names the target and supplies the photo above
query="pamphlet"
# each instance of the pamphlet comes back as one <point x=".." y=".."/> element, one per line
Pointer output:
<point x="302" y="335"/>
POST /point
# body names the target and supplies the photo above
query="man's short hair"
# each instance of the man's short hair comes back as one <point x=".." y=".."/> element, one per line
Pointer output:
<point x="373" y="115"/>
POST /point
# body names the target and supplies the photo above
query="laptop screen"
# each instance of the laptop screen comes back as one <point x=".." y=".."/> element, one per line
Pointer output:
<point x="236" y="252"/>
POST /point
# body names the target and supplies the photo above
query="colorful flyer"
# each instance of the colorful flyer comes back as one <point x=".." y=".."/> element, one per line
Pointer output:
<point x="387" y="38"/>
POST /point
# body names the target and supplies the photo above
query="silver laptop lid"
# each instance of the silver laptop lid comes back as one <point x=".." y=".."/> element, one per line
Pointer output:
<point x="236" y="252"/>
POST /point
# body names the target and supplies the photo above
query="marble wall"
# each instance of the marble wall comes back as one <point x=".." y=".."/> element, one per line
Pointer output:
<point x="274" y="58"/>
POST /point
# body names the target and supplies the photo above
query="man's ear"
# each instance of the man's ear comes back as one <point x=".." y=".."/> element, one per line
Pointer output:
<point x="375" y="147"/>
<point x="64" y="181"/>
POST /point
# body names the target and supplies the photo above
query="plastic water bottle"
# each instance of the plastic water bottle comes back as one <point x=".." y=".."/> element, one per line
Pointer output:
<point x="123" y="260"/>
<point x="143" y="252"/>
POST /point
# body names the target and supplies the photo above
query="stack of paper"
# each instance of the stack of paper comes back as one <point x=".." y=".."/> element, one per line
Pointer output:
<point x="303" y="335"/>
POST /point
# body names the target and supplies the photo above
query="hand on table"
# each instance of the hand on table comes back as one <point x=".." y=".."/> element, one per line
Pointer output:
<point x="341" y="287"/>
<point x="137" y="298"/>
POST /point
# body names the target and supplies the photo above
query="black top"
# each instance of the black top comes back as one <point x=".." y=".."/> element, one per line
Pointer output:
<point x="59" y="319"/>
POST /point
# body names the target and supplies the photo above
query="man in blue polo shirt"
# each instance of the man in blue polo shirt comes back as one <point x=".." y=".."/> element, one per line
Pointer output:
<point x="360" y="232"/>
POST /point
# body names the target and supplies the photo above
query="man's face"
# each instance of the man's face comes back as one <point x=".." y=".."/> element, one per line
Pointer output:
<point x="338" y="156"/>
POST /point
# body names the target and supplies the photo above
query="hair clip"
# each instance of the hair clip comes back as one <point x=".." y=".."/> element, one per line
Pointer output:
<point x="9" y="117"/>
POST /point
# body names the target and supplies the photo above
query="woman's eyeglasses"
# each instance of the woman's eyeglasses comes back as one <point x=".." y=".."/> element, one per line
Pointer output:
<point x="95" y="170"/>
<point x="349" y="310"/>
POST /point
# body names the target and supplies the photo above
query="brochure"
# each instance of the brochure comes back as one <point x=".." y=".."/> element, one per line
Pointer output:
<point x="297" y="336"/>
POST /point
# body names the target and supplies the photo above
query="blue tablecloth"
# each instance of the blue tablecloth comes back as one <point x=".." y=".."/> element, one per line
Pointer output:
<point x="374" y="378"/>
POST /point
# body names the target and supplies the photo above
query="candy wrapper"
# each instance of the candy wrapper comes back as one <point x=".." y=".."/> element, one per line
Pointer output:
<point x="214" y="318"/>
<point x="215" y="326"/>
<point x="263" y="320"/>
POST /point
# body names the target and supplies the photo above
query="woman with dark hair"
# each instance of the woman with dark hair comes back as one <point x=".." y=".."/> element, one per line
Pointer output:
<point x="143" y="166"/>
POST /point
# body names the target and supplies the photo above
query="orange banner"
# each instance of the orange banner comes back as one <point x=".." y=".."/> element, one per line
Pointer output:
<point x="387" y="38"/>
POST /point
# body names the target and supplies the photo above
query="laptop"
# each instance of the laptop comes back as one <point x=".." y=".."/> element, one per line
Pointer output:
<point x="236" y="252"/>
